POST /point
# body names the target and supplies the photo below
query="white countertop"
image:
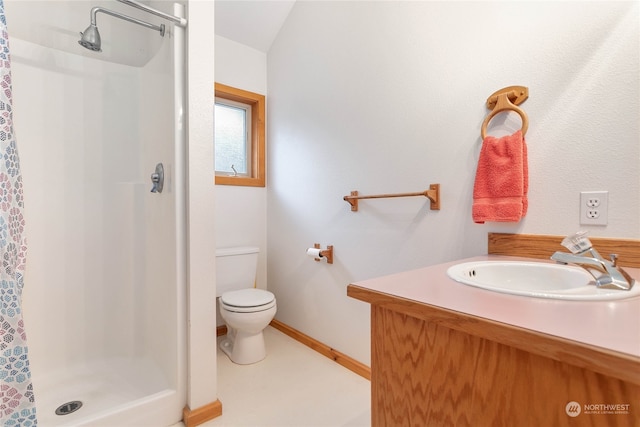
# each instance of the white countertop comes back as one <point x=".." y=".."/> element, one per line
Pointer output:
<point x="614" y="325"/>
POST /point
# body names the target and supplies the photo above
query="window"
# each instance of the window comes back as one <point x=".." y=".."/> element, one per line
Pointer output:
<point x="239" y="139"/>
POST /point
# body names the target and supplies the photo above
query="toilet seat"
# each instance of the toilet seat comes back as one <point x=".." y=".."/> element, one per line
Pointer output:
<point x="247" y="300"/>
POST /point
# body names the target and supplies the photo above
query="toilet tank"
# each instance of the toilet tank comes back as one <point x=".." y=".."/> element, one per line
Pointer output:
<point x="236" y="268"/>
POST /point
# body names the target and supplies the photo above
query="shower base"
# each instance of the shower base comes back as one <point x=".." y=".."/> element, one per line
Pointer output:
<point x="111" y="391"/>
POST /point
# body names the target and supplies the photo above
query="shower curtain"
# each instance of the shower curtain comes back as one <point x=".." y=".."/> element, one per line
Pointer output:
<point x="17" y="405"/>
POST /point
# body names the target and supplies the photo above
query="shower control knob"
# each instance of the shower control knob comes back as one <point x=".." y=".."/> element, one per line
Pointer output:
<point x="157" y="178"/>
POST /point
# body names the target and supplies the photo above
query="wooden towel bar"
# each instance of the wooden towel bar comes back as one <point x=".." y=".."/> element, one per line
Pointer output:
<point x="433" y="194"/>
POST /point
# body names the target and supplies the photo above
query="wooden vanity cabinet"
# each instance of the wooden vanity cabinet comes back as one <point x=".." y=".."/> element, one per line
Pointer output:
<point x="435" y="367"/>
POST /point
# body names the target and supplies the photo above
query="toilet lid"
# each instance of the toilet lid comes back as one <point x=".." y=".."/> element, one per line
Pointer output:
<point x="247" y="298"/>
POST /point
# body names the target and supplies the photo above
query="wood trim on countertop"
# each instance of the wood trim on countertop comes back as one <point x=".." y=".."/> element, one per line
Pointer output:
<point x="600" y="360"/>
<point x="543" y="246"/>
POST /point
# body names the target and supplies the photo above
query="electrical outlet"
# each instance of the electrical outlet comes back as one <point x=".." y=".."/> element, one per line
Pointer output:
<point x="593" y="201"/>
<point x="593" y="207"/>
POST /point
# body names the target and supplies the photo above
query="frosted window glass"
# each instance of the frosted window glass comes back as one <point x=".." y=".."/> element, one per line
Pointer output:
<point x="231" y="139"/>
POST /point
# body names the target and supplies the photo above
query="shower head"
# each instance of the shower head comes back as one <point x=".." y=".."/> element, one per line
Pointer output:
<point x="91" y="36"/>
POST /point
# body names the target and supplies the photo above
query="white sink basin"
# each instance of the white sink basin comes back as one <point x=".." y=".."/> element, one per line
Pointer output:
<point x="535" y="279"/>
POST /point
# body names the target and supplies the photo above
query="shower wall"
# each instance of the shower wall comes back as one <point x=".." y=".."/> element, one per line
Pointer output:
<point x="101" y="291"/>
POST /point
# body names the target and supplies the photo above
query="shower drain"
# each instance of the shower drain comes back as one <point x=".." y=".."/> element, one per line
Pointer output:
<point x="69" y="407"/>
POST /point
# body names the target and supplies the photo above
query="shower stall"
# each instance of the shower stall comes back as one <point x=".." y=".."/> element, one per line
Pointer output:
<point x="104" y="301"/>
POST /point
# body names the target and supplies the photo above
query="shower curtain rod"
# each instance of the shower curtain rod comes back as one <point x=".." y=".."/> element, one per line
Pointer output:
<point x="175" y="19"/>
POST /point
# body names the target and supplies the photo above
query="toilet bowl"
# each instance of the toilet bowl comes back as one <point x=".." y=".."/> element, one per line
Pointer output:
<point x="246" y="312"/>
<point x="245" y="309"/>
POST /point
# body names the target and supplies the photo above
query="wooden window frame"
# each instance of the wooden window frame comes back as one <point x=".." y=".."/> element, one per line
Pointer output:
<point x="257" y="174"/>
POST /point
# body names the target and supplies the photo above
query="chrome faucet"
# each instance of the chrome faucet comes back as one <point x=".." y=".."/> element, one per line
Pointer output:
<point x="606" y="273"/>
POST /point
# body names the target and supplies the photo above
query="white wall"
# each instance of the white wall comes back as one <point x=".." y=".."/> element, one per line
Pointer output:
<point x="241" y="212"/>
<point x="201" y="231"/>
<point x="385" y="97"/>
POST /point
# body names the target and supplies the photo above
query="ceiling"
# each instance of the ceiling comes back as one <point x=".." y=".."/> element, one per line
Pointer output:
<point x="254" y="23"/>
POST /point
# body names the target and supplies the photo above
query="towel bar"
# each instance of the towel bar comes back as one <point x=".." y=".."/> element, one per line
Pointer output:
<point x="433" y="194"/>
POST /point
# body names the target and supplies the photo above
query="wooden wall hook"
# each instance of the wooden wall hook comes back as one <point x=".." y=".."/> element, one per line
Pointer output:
<point x="515" y="94"/>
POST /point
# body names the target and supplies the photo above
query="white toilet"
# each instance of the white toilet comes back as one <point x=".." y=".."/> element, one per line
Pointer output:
<point x="245" y="309"/>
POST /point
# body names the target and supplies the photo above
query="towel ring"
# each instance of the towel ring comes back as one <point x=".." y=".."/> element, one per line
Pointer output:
<point x="502" y="101"/>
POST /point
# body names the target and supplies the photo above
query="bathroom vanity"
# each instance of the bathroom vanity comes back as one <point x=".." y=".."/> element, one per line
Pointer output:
<point x="448" y="354"/>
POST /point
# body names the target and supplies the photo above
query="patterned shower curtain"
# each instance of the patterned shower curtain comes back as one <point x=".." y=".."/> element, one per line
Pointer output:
<point x="17" y="405"/>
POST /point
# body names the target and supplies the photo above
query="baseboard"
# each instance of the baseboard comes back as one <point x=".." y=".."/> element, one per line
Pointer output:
<point x="340" y="358"/>
<point x="221" y="330"/>
<point x="202" y="414"/>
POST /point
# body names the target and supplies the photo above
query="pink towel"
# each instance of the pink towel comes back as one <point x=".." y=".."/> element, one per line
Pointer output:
<point x="500" y="189"/>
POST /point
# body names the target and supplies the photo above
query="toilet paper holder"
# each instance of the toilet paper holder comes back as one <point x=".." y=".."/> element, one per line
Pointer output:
<point x="326" y="253"/>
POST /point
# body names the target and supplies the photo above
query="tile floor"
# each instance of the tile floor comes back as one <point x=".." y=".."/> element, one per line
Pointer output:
<point x="293" y="386"/>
